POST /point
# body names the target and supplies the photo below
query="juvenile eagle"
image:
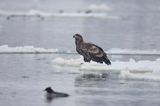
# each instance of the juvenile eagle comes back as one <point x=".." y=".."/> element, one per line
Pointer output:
<point x="90" y="51"/>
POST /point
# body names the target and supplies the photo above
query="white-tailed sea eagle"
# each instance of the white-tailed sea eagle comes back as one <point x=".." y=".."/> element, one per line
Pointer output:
<point x="90" y="51"/>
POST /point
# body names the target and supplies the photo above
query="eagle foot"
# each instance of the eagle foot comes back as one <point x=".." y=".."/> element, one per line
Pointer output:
<point x="86" y="60"/>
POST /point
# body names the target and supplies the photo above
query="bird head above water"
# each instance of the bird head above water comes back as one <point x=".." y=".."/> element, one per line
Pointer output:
<point x="49" y="90"/>
<point x="78" y="37"/>
<point x="52" y="94"/>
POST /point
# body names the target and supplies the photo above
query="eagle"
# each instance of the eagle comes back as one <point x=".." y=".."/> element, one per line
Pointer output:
<point x="90" y="51"/>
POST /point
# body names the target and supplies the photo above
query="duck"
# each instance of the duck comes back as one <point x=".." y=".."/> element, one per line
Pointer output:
<point x="51" y="94"/>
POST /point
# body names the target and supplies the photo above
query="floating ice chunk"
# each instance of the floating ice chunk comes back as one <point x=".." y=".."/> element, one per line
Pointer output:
<point x="132" y="65"/>
<point x="37" y="13"/>
<point x="68" y="62"/>
<point x="101" y="7"/>
<point x="32" y="11"/>
<point x="24" y="49"/>
<point x="141" y="70"/>
<point x="117" y="67"/>
<point x="130" y="51"/>
<point x="127" y="75"/>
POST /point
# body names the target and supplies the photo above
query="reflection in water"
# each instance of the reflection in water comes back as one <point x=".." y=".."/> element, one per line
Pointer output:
<point x="92" y="80"/>
<point x="48" y="98"/>
<point x="95" y="91"/>
<point x="91" y="87"/>
<point x="89" y="78"/>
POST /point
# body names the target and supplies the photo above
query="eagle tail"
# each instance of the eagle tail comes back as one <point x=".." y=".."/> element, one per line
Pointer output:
<point x="107" y="61"/>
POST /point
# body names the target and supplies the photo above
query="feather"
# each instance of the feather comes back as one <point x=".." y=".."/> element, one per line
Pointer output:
<point x="90" y="51"/>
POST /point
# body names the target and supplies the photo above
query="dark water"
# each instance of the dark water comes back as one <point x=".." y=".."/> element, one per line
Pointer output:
<point x="23" y="77"/>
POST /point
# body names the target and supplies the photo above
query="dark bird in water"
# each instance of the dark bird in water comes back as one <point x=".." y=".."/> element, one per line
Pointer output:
<point x="90" y="51"/>
<point x="51" y="94"/>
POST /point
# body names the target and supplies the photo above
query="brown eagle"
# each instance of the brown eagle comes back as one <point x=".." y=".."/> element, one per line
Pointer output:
<point x="90" y="51"/>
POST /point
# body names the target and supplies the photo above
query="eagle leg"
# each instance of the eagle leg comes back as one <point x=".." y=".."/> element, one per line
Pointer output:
<point x="86" y="60"/>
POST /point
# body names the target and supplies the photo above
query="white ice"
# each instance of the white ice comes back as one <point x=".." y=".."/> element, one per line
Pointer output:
<point x="6" y="48"/>
<point x="24" y="49"/>
<point x="38" y="13"/>
<point x="130" y="51"/>
<point x="140" y="70"/>
<point x="99" y="7"/>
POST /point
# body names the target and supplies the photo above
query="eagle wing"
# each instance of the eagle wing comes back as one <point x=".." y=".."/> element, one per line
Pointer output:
<point x="95" y="53"/>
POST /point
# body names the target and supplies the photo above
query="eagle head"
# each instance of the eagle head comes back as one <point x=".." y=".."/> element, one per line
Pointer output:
<point x="78" y="37"/>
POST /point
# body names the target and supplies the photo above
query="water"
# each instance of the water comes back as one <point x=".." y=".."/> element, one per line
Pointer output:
<point x="126" y="25"/>
<point x="137" y="25"/>
<point x="24" y="77"/>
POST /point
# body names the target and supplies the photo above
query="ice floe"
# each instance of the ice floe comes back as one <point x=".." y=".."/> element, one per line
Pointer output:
<point x="114" y="51"/>
<point x="24" y="49"/>
<point x="42" y="14"/>
<point x="132" y="52"/>
<point x="140" y="70"/>
<point x="99" y="8"/>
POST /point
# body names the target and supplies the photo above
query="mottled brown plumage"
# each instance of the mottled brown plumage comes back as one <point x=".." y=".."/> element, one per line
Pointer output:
<point x="90" y="51"/>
